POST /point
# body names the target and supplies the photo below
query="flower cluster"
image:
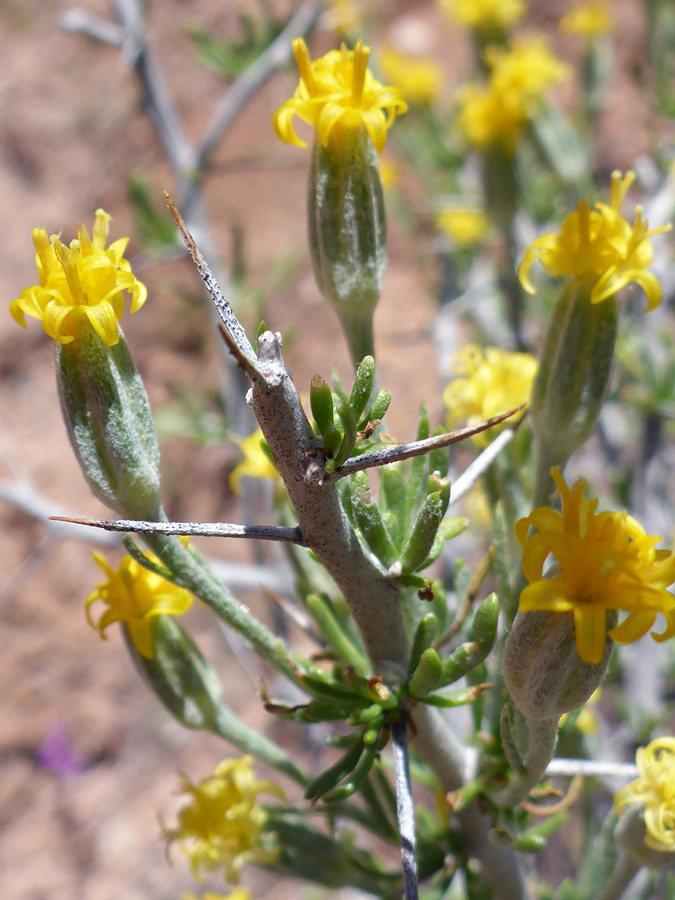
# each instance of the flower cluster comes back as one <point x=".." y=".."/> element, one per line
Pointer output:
<point x="489" y="382"/>
<point x="485" y="14"/>
<point x="338" y="91"/>
<point x="494" y="114"/>
<point x="223" y="825"/>
<point x="420" y="79"/>
<point x="655" y="790"/>
<point x="603" y="561"/>
<point x="81" y="285"/>
<point x="599" y="249"/>
<point x="134" y="596"/>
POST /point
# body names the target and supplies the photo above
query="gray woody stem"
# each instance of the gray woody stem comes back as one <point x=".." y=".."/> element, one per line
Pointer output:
<point x="371" y="595"/>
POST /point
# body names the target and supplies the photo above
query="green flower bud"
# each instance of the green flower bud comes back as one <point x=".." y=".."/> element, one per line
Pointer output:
<point x="542" y="669"/>
<point x="179" y="675"/>
<point x="108" y="419"/>
<point x="347" y="232"/>
<point x="573" y="376"/>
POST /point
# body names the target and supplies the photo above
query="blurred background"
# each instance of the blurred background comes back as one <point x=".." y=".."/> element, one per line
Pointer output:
<point x="87" y="757"/>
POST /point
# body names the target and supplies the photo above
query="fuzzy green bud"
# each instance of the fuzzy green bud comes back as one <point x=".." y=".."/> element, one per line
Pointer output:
<point x="109" y="424"/>
<point x="179" y="675"/>
<point x="542" y="669"/>
<point x="347" y="232"/>
<point x="573" y="376"/>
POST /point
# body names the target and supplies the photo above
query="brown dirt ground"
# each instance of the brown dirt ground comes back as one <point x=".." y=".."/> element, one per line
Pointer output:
<point x="71" y="133"/>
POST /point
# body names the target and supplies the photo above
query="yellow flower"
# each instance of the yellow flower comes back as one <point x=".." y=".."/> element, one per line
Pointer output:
<point x="420" y="79"/>
<point x="486" y="121"/>
<point x="80" y="286"/>
<point x="237" y="894"/>
<point x="223" y="825"/>
<point x="495" y="113"/>
<point x="338" y="89"/>
<point x="490" y="382"/>
<point x="526" y="71"/>
<point x="654" y="788"/>
<point x="464" y="225"/>
<point x="134" y="596"/>
<point x="483" y="14"/>
<point x="342" y="17"/>
<point x="604" y="561"/>
<point x="592" y="19"/>
<point x="600" y="249"/>
<point x="255" y="464"/>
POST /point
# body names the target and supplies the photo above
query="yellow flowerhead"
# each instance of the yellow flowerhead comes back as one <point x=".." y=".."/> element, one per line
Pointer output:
<point x="494" y="114"/>
<point x="255" y="464"/>
<point x="464" y="225"/>
<point x="338" y="89"/>
<point x="420" y="79"/>
<point x="604" y="561"/>
<point x="489" y="382"/>
<point x="134" y="596"/>
<point x="599" y="249"/>
<point x="592" y="19"/>
<point x="526" y="71"/>
<point x="654" y="788"/>
<point x="81" y="285"/>
<point x="223" y="824"/>
<point x="485" y="14"/>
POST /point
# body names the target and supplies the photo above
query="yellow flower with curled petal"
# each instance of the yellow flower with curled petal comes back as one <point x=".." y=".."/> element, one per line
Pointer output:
<point x="599" y="249"/>
<point x="134" y="596"/>
<point x="485" y="14"/>
<point x="489" y="382"/>
<point x="603" y="561"/>
<point x="464" y="225"/>
<point x="255" y="463"/>
<point x="338" y="91"/>
<point x="81" y="285"/>
<point x="223" y="825"/>
<point x="420" y="79"/>
<point x="592" y="19"/>
<point x="654" y="789"/>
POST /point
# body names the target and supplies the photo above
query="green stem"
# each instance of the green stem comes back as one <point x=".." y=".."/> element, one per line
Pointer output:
<point x="625" y="869"/>
<point x="542" y="736"/>
<point x="198" y="579"/>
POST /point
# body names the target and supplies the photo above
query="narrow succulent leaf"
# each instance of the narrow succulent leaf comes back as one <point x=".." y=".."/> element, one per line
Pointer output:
<point x="427" y="675"/>
<point x="363" y="386"/>
<point x="321" y="403"/>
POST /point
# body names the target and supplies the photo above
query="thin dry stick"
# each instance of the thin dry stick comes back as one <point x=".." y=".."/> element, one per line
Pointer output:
<point x="203" y="529"/>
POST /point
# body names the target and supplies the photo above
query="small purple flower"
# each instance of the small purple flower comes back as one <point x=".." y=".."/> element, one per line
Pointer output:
<point x="56" y="754"/>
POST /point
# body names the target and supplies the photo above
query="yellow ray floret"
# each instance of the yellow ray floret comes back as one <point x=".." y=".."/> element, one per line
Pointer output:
<point x="223" y="825"/>
<point x="81" y="285"/>
<point x="134" y="596"/>
<point x="254" y="464"/>
<point x="603" y="561"/>
<point x="599" y="248"/>
<point x="654" y="789"/>
<point x="338" y="89"/>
